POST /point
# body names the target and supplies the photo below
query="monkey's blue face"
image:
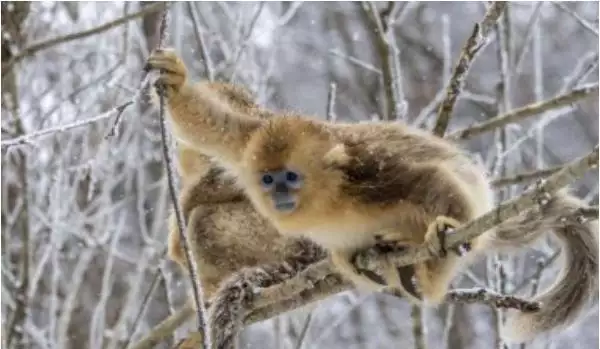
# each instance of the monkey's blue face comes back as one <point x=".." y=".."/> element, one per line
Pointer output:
<point x="282" y="185"/>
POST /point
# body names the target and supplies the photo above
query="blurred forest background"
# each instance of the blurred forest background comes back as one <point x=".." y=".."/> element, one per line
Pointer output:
<point x="84" y="215"/>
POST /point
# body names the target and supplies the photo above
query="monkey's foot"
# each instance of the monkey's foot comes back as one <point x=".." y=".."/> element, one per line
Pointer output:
<point x="392" y="242"/>
<point x="408" y="287"/>
<point x="436" y="234"/>
<point x="173" y="72"/>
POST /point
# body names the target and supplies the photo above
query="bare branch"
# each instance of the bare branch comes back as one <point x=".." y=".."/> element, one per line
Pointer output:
<point x="53" y="130"/>
<point x="145" y="302"/>
<point x="416" y="315"/>
<point x="581" y="71"/>
<point x="585" y="24"/>
<point x="525" y="112"/>
<point x="526" y="176"/>
<point x="204" y="53"/>
<point x="528" y="34"/>
<point x="165" y="328"/>
<point x="331" y="117"/>
<point x="35" y="48"/>
<point x="470" y="296"/>
<point x="356" y="61"/>
<point x="537" y="274"/>
<point x="376" y="23"/>
<point x="191" y="263"/>
<point x="474" y="44"/>
<point x="327" y="286"/>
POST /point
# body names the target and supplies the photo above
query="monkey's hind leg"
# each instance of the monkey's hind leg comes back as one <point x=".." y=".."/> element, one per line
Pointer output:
<point x="435" y="275"/>
<point x="362" y="279"/>
<point x="401" y="280"/>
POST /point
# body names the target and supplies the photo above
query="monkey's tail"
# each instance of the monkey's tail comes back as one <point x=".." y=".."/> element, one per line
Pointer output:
<point x="577" y="283"/>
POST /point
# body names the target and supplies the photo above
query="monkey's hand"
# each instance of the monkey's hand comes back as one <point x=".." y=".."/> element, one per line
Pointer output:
<point x="173" y="72"/>
<point x="342" y="260"/>
<point x="435" y="237"/>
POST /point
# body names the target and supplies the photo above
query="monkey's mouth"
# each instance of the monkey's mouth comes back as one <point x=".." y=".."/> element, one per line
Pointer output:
<point x="285" y="206"/>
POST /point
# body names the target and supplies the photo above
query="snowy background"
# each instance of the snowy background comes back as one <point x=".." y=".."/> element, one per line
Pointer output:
<point x="84" y="215"/>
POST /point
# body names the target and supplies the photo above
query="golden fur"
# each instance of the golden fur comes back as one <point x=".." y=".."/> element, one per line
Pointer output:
<point x="226" y="232"/>
<point x="367" y="182"/>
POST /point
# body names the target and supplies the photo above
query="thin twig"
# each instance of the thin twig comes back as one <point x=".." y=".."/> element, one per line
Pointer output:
<point x="585" y="24"/>
<point x="357" y="62"/>
<point x="31" y="136"/>
<point x="399" y="99"/>
<point x="526" y="176"/>
<point x="536" y="274"/>
<point x="525" y="112"/>
<point x="528" y="35"/>
<point x="477" y="41"/>
<point x="378" y="24"/>
<point x="204" y="53"/>
<point x="498" y="301"/>
<point x="446" y="48"/>
<point x="416" y="314"/>
<point x="193" y="268"/>
<point x="244" y="41"/>
<point x="34" y="48"/>
<point x="448" y="325"/>
<point x="142" y="310"/>
<point x="581" y="71"/>
<point x="331" y="117"/>
<point x="165" y="328"/>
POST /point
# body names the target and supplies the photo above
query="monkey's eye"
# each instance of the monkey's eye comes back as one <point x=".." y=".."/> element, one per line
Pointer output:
<point x="291" y="177"/>
<point x="267" y="179"/>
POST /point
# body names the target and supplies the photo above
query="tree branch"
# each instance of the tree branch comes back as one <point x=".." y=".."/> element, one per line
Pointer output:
<point x="585" y="24"/>
<point x="526" y="176"/>
<point x="165" y="328"/>
<point x="474" y="44"/>
<point x="36" y="47"/>
<point x="204" y="53"/>
<point x="483" y="296"/>
<point x="322" y="289"/>
<point x="525" y="112"/>
<point x="203" y="325"/>
<point x="378" y="24"/>
<point x="27" y="138"/>
<point x="331" y="116"/>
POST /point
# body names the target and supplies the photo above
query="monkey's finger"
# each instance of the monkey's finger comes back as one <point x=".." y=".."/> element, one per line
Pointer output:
<point x="166" y="64"/>
<point x="169" y="81"/>
<point x="444" y="226"/>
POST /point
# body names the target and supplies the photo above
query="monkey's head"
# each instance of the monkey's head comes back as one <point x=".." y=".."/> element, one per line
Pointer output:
<point x="284" y="171"/>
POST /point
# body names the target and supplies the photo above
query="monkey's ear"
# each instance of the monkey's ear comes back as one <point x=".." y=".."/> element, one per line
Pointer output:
<point x="337" y="156"/>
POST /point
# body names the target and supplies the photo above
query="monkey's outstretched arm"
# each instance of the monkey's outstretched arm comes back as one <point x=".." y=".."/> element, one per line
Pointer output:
<point x="201" y="118"/>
